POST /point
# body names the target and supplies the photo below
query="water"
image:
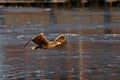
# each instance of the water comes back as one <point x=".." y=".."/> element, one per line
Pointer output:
<point x="92" y="51"/>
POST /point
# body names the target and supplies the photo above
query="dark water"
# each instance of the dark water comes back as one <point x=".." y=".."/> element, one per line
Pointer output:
<point x="92" y="52"/>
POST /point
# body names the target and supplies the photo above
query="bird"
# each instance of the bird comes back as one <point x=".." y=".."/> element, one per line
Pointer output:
<point x="43" y="43"/>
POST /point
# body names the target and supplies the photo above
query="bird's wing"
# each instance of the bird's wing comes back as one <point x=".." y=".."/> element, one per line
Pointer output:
<point x="40" y="39"/>
<point x="61" y="39"/>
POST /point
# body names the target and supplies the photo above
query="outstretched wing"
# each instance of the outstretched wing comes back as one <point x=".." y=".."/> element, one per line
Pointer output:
<point x="61" y="39"/>
<point x="40" y="40"/>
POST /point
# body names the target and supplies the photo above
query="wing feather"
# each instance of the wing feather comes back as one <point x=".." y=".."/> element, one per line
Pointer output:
<point x="40" y="40"/>
<point x="62" y="39"/>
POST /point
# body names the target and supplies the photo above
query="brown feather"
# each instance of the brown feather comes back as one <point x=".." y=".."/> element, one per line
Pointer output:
<point x="44" y="43"/>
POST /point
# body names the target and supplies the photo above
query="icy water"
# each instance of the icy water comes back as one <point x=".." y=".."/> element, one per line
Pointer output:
<point x="92" y="51"/>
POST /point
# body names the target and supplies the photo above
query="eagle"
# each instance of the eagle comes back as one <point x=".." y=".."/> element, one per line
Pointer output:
<point x="43" y="43"/>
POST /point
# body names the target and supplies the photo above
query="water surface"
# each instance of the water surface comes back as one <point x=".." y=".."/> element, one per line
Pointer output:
<point x="92" y="51"/>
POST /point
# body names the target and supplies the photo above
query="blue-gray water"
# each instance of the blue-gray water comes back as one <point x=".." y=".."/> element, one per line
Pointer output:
<point x="92" y="51"/>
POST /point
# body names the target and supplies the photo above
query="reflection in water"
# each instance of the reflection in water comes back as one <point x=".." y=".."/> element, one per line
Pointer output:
<point x="1" y="16"/>
<point x="107" y="20"/>
<point x="13" y="62"/>
<point x="52" y="17"/>
<point x="1" y="20"/>
<point x="90" y="54"/>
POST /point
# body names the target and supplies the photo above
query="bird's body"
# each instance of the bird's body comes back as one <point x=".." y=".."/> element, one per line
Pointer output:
<point x="48" y="46"/>
<point x="43" y="43"/>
